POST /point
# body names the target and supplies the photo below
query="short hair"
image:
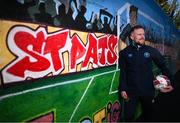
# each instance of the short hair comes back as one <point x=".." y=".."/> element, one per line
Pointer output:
<point x="135" y="27"/>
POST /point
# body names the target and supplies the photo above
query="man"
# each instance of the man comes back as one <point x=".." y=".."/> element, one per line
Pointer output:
<point x="136" y="76"/>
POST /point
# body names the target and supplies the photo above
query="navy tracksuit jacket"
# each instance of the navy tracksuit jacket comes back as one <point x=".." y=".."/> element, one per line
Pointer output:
<point x="136" y="76"/>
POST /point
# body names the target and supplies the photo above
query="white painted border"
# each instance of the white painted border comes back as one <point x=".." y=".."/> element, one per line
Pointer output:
<point x="53" y="85"/>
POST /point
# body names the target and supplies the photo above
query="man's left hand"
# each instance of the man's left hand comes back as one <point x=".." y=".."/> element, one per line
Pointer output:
<point x="167" y="89"/>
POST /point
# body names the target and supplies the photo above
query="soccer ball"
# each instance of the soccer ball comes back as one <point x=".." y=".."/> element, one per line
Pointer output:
<point x="161" y="82"/>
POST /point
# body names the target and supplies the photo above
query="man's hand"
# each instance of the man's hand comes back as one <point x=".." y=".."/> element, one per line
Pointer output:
<point x="124" y="95"/>
<point x="169" y="88"/>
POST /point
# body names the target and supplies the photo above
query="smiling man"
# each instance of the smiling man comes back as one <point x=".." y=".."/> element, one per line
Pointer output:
<point x="136" y="75"/>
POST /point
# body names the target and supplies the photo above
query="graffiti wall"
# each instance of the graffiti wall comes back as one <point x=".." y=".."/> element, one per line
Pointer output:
<point x="50" y="72"/>
<point x="30" y="51"/>
<point x="58" y="58"/>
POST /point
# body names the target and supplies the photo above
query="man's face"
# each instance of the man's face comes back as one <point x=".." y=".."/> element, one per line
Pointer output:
<point x="138" y="36"/>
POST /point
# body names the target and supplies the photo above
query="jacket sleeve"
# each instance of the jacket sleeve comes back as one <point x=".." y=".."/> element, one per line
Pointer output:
<point x="122" y="77"/>
<point x="159" y="60"/>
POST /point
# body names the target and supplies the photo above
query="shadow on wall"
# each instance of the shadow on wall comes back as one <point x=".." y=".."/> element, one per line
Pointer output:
<point x="59" y="13"/>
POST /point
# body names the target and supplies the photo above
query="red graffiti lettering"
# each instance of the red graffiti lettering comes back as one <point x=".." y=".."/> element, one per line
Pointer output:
<point x="24" y="41"/>
<point x="102" y="46"/>
<point x="77" y="51"/>
<point x="91" y="51"/>
<point x="39" y="53"/>
<point x="111" y="55"/>
<point x="53" y="44"/>
<point x="113" y="112"/>
<point x="110" y="114"/>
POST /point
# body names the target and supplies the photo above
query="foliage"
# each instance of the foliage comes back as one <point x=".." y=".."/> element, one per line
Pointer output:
<point x="172" y="10"/>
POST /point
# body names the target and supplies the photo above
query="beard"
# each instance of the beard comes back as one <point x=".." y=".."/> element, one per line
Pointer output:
<point x="141" y="42"/>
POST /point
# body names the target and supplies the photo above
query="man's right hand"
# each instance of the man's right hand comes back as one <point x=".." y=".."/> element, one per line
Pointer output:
<point x="124" y="95"/>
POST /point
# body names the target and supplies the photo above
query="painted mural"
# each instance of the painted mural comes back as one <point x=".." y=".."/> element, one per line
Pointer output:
<point x="58" y="58"/>
<point x="40" y="52"/>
